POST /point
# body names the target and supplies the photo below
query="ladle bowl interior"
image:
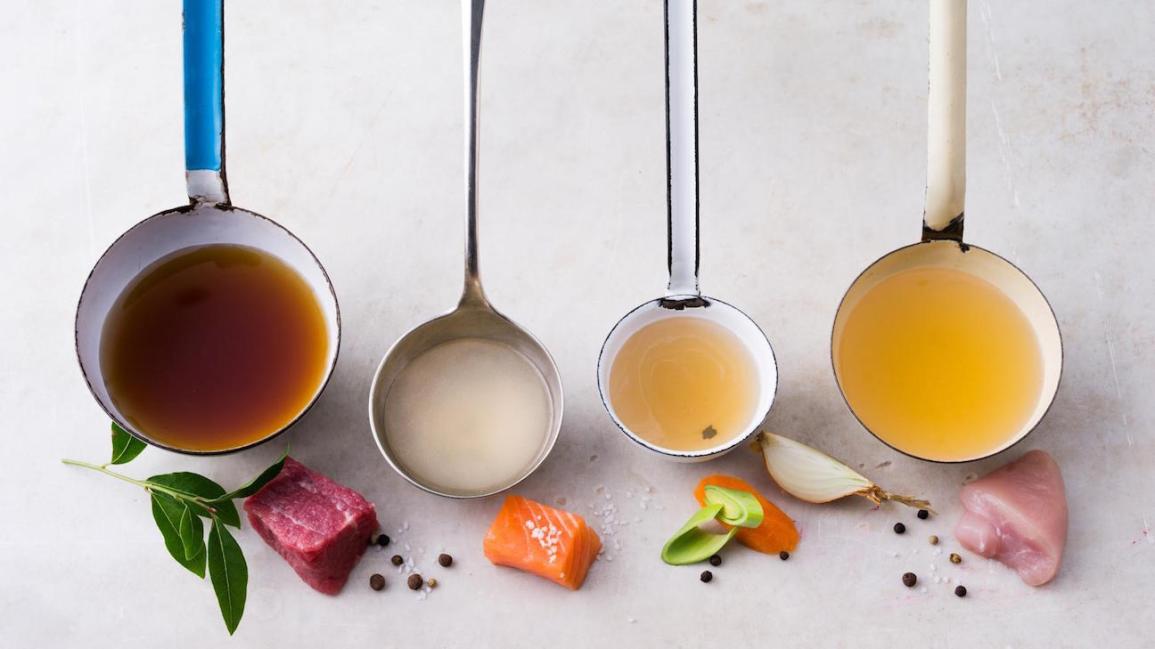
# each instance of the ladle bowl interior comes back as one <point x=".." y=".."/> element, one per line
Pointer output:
<point x="466" y="322"/>
<point x="984" y="265"/>
<point x="719" y="312"/>
<point x="165" y="233"/>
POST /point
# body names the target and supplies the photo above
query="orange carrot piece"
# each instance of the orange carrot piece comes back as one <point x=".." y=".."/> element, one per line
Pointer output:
<point x="776" y="533"/>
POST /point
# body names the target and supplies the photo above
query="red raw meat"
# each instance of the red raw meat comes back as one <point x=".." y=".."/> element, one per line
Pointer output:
<point x="320" y="527"/>
<point x="1018" y="515"/>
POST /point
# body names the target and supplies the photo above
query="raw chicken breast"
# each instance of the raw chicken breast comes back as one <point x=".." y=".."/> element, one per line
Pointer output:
<point x="1018" y="515"/>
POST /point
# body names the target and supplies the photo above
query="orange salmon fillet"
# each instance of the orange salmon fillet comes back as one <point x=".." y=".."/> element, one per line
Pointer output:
<point x="539" y="539"/>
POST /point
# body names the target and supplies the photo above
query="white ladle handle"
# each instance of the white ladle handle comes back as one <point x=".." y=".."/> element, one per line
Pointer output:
<point x="682" y="144"/>
<point x="471" y="15"/>
<point x="946" y="121"/>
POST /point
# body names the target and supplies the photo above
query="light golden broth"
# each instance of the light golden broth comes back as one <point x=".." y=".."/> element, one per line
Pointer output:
<point x="940" y="364"/>
<point x="676" y="377"/>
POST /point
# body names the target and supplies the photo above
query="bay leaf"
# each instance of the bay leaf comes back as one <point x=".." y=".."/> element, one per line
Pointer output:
<point x="256" y="483"/>
<point x="229" y="574"/>
<point x="167" y="511"/>
<point x="192" y="532"/>
<point x="125" y="447"/>
<point x="195" y="484"/>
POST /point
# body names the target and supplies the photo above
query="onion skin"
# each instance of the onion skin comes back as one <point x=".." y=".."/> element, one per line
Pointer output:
<point x="813" y="476"/>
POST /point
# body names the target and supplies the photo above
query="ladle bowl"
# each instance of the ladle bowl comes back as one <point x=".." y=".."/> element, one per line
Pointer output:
<point x="989" y="267"/>
<point x="468" y="321"/>
<point x="729" y="317"/>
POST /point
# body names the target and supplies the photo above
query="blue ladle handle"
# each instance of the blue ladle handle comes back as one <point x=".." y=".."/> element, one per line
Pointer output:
<point x="204" y="110"/>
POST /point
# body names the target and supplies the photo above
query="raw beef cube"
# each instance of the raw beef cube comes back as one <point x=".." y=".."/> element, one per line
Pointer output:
<point x="318" y="526"/>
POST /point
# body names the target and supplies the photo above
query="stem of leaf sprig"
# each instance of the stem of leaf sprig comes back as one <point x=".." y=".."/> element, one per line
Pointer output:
<point x="145" y="484"/>
<point x="179" y="501"/>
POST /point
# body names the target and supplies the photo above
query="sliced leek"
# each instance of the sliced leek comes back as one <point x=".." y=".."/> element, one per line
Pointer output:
<point x="692" y="544"/>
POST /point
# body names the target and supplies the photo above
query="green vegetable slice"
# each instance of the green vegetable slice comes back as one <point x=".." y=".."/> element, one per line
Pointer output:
<point x="692" y="544"/>
<point x="739" y="508"/>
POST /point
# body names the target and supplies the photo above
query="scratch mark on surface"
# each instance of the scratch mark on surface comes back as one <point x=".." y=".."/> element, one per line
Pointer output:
<point x="1004" y="139"/>
<point x="376" y="117"/>
<point x="85" y="169"/>
<point x="1114" y="368"/>
<point x="985" y="12"/>
<point x="1005" y="154"/>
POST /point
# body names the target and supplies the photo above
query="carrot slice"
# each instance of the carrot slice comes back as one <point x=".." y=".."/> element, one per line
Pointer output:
<point x="777" y="531"/>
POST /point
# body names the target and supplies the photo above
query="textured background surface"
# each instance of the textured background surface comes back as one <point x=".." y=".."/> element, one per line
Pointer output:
<point x="344" y="123"/>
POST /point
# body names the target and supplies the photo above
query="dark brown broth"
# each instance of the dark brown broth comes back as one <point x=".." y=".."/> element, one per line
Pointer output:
<point x="214" y="347"/>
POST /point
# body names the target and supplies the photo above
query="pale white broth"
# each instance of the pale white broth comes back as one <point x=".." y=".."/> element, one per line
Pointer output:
<point x="468" y="415"/>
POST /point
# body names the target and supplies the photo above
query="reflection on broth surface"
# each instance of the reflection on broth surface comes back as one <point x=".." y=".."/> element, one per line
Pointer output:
<point x="684" y="383"/>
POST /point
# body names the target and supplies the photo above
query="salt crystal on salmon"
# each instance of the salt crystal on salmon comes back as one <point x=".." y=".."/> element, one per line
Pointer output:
<point x="542" y="540"/>
<point x="320" y="527"/>
<point x="1018" y="516"/>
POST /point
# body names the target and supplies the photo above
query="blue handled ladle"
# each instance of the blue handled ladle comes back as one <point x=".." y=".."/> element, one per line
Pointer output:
<point x="209" y="218"/>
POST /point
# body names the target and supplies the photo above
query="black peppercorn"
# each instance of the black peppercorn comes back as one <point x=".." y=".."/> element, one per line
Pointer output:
<point x="715" y="560"/>
<point x="955" y="558"/>
<point x="899" y="528"/>
<point x="382" y="540"/>
<point x="784" y="555"/>
<point x="961" y="591"/>
<point x="706" y="576"/>
<point x="923" y="514"/>
<point x="444" y="560"/>
<point x="396" y="560"/>
<point x="415" y="581"/>
<point x="909" y="579"/>
<point x="376" y="582"/>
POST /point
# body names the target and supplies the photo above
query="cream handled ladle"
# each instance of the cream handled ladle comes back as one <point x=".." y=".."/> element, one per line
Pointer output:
<point x="942" y="243"/>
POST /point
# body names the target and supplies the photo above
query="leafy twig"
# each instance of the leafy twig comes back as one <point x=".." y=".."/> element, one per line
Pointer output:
<point x="179" y="501"/>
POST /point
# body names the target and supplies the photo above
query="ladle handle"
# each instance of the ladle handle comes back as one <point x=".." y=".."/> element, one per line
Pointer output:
<point x="682" y="145"/>
<point x="946" y="121"/>
<point x="204" y="108"/>
<point x="472" y="12"/>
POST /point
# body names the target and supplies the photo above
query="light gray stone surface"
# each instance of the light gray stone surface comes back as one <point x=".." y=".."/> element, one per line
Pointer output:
<point x="344" y="123"/>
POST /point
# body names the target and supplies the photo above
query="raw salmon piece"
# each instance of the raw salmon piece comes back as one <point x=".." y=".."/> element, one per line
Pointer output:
<point x="1018" y="515"/>
<point x="547" y="542"/>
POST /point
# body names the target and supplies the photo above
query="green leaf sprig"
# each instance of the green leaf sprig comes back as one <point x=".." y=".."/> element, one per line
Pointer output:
<point x="179" y="503"/>
<point x="692" y="544"/>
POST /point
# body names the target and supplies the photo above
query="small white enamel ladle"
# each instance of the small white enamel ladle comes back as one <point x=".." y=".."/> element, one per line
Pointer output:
<point x="683" y="298"/>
